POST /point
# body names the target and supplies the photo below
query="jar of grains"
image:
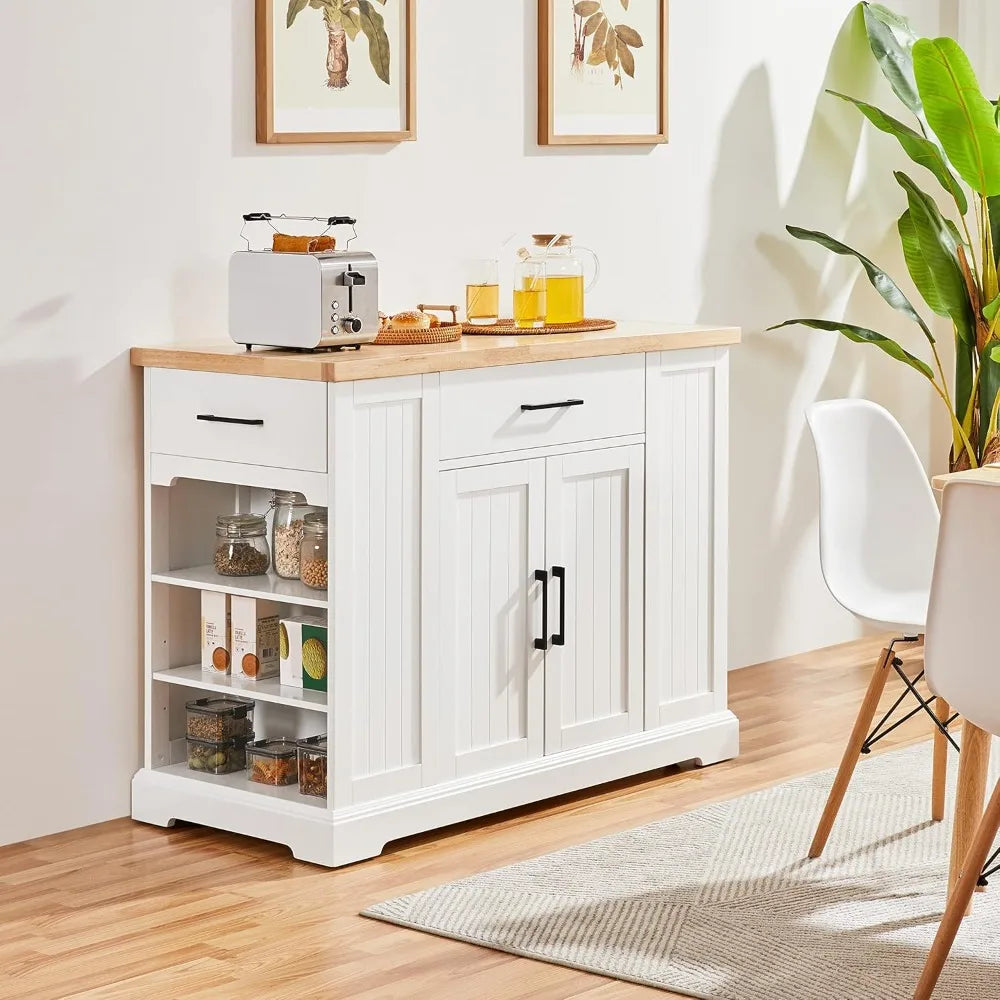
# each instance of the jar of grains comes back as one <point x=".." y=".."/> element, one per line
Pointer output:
<point x="286" y="531"/>
<point x="241" y="545"/>
<point x="312" y="556"/>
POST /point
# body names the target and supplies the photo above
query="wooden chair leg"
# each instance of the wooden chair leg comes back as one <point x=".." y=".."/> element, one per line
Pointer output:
<point x="862" y="726"/>
<point x="961" y="897"/>
<point x="940" y="763"/>
<point x="973" y="764"/>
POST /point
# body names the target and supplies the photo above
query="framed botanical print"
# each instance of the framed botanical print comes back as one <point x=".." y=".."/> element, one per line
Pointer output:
<point x="335" y="70"/>
<point x="602" y="72"/>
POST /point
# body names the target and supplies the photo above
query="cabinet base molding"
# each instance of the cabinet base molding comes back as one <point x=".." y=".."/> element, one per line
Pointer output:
<point x="354" y="834"/>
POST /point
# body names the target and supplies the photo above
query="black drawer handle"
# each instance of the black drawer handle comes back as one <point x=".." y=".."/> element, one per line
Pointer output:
<point x="559" y="573"/>
<point x="543" y="578"/>
<point x="230" y="420"/>
<point x="551" y="406"/>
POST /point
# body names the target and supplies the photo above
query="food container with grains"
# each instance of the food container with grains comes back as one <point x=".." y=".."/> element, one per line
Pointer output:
<point x="241" y="545"/>
<point x="273" y="762"/>
<point x="218" y="756"/>
<point x="313" y="566"/>
<point x="286" y="531"/>
<point x="312" y="765"/>
<point x="220" y="718"/>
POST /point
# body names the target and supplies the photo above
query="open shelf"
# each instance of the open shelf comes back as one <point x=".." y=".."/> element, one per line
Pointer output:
<point x="269" y="689"/>
<point x="265" y="588"/>
<point x="240" y="785"/>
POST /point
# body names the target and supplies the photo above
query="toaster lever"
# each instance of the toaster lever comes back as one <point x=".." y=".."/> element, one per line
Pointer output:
<point x="352" y="278"/>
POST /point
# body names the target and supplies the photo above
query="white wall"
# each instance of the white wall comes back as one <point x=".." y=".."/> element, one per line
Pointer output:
<point x="128" y="158"/>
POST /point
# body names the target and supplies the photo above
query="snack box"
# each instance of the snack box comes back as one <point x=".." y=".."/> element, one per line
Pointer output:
<point x="254" y="638"/>
<point x="302" y="640"/>
<point x="215" y="611"/>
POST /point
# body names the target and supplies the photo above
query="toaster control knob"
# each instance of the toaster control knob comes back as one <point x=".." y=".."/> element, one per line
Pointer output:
<point x="353" y="324"/>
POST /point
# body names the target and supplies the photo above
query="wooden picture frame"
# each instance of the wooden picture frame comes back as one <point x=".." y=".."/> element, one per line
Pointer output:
<point x="549" y="119"/>
<point x="269" y="119"/>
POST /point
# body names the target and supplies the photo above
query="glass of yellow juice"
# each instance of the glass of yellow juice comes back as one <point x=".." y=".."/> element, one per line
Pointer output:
<point x="529" y="295"/>
<point x="482" y="291"/>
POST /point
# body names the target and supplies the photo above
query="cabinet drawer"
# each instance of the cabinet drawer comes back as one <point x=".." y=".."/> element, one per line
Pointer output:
<point x="482" y="410"/>
<point x="259" y="421"/>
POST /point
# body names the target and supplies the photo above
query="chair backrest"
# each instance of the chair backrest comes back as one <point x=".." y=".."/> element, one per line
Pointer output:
<point x="878" y="518"/>
<point x="961" y="649"/>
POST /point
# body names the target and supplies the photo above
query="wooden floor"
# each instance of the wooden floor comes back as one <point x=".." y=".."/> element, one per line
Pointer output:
<point x="134" y="912"/>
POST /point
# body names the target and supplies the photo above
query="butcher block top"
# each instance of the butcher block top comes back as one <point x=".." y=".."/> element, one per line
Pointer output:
<point x="375" y="361"/>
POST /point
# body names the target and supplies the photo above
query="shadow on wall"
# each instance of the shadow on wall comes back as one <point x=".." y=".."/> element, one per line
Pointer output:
<point x="754" y="271"/>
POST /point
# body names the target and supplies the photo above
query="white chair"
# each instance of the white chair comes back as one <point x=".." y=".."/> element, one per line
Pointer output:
<point x="878" y="525"/>
<point x="960" y="658"/>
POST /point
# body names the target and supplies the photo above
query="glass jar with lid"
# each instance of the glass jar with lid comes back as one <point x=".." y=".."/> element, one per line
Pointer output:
<point x="313" y="566"/>
<point x="289" y="508"/>
<point x="241" y="545"/>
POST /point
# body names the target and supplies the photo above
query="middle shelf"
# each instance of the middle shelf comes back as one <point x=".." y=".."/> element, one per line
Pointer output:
<point x="264" y="587"/>
<point x="269" y="689"/>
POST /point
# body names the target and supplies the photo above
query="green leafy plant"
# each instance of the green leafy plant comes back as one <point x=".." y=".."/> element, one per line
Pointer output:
<point x="957" y="139"/>
<point x="345" y="20"/>
<point x="609" y="43"/>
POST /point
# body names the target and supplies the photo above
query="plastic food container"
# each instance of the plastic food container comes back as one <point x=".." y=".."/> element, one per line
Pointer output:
<point x="220" y="718"/>
<point x="217" y="756"/>
<point x="312" y="765"/>
<point x="273" y="762"/>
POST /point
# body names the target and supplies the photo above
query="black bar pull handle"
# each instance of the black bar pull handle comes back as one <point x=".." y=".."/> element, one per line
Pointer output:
<point x="543" y="578"/>
<point x="525" y="407"/>
<point x="559" y="573"/>
<point x="230" y="420"/>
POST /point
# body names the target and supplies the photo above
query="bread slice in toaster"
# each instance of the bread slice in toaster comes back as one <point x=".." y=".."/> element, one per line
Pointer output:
<point x="282" y="243"/>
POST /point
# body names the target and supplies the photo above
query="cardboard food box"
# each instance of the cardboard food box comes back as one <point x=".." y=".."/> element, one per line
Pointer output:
<point x="215" y="655"/>
<point x="303" y="651"/>
<point x="254" y="638"/>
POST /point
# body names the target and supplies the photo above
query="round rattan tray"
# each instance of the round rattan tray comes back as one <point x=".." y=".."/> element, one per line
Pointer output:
<point x="506" y="328"/>
<point x="445" y="333"/>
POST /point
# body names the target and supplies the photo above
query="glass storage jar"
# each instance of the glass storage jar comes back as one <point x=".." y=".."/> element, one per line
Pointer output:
<point x="241" y="545"/>
<point x="273" y="761"/>
<point x="313" y="567"/>
<point x="219" y="718"/>
<point x="312" y="765"/>
<point x="289" y="509"/>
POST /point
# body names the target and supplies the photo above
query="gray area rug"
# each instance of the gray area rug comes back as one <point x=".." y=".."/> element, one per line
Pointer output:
<point x="719" y="903"/>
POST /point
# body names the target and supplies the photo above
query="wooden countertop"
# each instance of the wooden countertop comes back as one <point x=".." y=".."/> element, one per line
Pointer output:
<point x="374" y="361"/>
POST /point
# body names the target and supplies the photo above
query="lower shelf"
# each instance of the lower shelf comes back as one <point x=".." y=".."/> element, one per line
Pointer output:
<point x="239" y="783"/>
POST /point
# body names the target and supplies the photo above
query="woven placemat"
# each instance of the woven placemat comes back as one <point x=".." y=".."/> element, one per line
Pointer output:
<point x="446" y="333"/>
<point x="506" y="328"/>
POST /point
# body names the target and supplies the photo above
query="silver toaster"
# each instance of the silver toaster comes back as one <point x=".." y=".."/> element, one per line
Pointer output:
<point x="308" y="301"/>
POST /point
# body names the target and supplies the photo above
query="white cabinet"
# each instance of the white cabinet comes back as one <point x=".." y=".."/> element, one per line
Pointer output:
<point x="528" y="586"/>
<point x="594" y="550"/>
<point x="491" y="687"/>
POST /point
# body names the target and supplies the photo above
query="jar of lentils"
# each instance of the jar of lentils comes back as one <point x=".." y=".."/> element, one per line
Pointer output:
<point x="286" y="531"/>
<point x="313" y="565"/>
<point x="241" y="545"/>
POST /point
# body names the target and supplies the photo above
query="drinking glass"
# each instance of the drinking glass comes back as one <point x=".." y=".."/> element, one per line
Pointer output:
<point x="530" y="299"/>
<point x="482" y="291"/>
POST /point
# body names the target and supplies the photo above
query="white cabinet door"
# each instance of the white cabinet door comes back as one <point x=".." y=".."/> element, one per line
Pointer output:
<point x="686" y="529"/>
<point x="491" y="543"/>
<point x="594" y="551"/>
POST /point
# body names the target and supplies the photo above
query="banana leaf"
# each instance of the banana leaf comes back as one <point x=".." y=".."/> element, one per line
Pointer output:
<point x="939" y="280"/>
<point x="892" y="39"/>
<point x="862" y="335"/>
<point x="993" y="207"/>
<point x="881" y="282"/>
<point x="989" y="386"/>
<point x="961" y="117"/>
<point x="918" y="148"/>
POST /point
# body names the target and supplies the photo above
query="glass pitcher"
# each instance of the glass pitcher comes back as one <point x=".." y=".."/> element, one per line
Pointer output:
<point x="565" y="286"/>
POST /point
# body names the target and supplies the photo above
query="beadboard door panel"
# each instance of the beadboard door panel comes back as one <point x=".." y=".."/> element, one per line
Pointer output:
<point x="594" y="551"/>
<point x="492" y="541"/>
<point x="376" y="606"/>
<point x="686" y="532"/>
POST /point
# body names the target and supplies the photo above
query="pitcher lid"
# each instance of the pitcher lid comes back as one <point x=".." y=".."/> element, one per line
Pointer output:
<point x="552" y="239"/>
